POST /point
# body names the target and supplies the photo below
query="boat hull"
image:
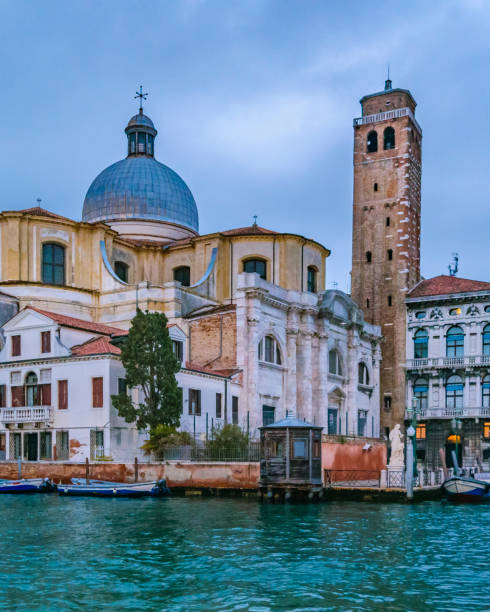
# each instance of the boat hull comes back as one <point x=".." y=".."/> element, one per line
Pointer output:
<point x="26" y="485"/>
<point x="143" y="489"/>
<point x="466" y="490"/>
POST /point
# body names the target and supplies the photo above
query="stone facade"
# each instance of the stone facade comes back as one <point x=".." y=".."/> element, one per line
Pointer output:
<point x="386" y="228"/>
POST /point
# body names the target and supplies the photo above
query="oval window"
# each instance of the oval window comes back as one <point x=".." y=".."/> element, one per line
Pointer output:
<point x="487" y="308"/>
<point x="420" y="315"/>
<point x="455" y="311"/>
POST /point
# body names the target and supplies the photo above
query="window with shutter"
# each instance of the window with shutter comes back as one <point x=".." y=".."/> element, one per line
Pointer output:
<point x="45" y="342"/>
<point x="45" y="395"/>
<point x="18" y="396"/>
<point x="62" y="394"/>
<point x="97" y="392"/>
<point x="15" y="346"/>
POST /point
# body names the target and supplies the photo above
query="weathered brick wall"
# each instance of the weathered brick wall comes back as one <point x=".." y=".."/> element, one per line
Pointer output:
<point x="212" y="340"/>
<point x="387" y="187"/>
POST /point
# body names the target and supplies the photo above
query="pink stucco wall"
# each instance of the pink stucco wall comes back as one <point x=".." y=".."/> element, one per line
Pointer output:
<point x="340" y="453"/>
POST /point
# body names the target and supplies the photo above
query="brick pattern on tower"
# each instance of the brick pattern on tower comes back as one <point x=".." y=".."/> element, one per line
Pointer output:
<point x="386" y="229"/>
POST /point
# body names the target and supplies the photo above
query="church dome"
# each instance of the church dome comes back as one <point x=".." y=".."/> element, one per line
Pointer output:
<point x="141" y="188"/>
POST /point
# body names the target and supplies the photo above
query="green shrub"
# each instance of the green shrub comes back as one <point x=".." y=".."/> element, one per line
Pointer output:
<point x="227" y="442"/>
<point x="163" y="436"/>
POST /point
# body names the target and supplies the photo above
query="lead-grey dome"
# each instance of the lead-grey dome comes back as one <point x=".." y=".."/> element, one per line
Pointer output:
<point x="140" y="187"/>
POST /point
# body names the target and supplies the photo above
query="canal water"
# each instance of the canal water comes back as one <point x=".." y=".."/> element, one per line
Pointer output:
<point x="234" y="554"/>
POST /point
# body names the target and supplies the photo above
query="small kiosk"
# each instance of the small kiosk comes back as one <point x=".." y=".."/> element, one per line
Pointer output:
<point x="290" y="460"/>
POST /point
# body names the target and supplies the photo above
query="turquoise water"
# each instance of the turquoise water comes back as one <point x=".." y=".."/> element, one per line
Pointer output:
<point x="233" y="554"/>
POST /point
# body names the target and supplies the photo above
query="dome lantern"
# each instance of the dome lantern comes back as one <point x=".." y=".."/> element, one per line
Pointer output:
<point x="141" y="135"/>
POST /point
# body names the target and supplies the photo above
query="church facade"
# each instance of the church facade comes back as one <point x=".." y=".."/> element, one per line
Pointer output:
<point x="257" y="331"/>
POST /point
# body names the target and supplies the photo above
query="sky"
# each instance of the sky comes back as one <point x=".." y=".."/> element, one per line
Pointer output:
<point x="253" y="101"/>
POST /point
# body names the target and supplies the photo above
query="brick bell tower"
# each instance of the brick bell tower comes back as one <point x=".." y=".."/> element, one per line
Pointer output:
<point x="386" y="229"/>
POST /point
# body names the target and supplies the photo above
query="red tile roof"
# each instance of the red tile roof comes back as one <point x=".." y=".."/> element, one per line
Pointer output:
<point x="246" y="231"/>
<point x="447" y="285"/>
<point x="42" y="212"/>
<point x="67" y="321"/>
<point x="96" y="346"/>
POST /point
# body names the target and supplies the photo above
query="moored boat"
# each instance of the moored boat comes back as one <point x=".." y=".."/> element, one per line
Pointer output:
<point x="26" y="485"/>
<point x="154" y="488"/>
<point x="466" y="489"/>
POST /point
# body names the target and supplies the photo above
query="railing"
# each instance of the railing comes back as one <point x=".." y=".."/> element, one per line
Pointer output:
<point x="448" y="362"/>
<point x="386" y="116"/>
<point x="352" y="478"/>
<point x="25" y="414"/>
<point x="212" y="453"/>
<point x="449" y="413"/>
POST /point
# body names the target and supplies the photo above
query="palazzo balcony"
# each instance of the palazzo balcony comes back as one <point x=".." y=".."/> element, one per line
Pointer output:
<point x="26" y="414"/>
<point x="431" y="363"/>
<point x="451" y="413"/>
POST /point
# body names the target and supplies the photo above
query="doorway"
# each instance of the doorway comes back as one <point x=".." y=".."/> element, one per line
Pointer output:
<point x="30" y="446"/>
<point x="332" y="421"/>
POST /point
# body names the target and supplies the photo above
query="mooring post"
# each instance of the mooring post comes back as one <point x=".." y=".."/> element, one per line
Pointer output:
<point x="86" y="470"/>
<point x="136" y="469"/>
<point x="19" y="468"/>
<point x="410" y="459"/>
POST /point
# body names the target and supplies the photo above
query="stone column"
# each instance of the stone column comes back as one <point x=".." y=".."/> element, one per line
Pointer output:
<point x="252" y="394"/>
<point x="322" y="381"/>
<point x="306" y="376"/>
<point x="292" y="338"/>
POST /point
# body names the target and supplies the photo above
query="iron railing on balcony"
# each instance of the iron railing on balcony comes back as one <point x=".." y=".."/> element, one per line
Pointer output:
<point x="448" y="362"/>
<point x="450" y="413"/>
<point x="26" y="414"/>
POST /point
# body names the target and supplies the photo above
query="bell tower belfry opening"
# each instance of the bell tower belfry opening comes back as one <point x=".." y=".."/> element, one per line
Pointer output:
<point x="386" y="228"/>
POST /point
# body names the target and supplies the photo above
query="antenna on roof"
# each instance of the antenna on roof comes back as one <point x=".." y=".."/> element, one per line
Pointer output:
<point x="255" y="221"/>
<point x="453" y="266"/>
<point x="388" y="81"/>
<point x="38" y="200"/>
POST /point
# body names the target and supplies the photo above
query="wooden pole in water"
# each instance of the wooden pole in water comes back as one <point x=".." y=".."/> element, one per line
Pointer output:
<point x="136" y="469"/>
<point x="19" y="468"/>
<point x="86" y="470"/>
<point x="442" y="456"/>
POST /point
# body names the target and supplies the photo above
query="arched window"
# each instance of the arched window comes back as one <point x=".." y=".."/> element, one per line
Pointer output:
<point x="256" y="265"/>
<point x="269" y="350"/>
<point x="486" y="340"/>
<point x="53" y="264"/>
<point x="455" y="342"/>
<point x="372" y="142"/>
<point x="421" y="392"/>
<point x="334" y="363"/>
<point x="485" y="390"/>
<point x="421" y="344"/>
<point x="121" y="270"/>
<point x="312" y="276"/>
<point x="454" y="392"/>
<point x="363" y="374"/>
<point x="368" y="256"/>
<point x="31" y="389"/>
<point x="389" y="138"/>
<point x="182" y="274"/>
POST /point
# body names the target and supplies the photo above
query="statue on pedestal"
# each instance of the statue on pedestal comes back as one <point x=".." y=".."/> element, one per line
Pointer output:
<point x="397" y="459"/>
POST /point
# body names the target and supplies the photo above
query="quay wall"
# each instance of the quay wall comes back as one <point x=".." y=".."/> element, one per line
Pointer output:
<point x="342" y="453"/>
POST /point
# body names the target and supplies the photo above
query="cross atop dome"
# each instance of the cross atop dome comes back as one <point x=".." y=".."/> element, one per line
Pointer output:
<point x="142" y="96"/>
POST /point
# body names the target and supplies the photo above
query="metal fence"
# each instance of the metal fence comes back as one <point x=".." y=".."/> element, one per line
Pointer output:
<point x="212" y="452"/>
<point x="352" y="478"/>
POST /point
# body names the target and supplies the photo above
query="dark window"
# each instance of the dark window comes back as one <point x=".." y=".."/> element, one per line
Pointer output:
<point x="62" y="394"/>
<point x="312" y="274"/>
<point x="485" y="389"/>
<point x="195" y="402"/>
<point x="421" y="344"/>
<point x="219" y="403"/>
<point x="269" y="350"/>
<point x="363" y="374"/>
<point x="388" y="222"/>
<point x="183" y="275"/>
<point x="368" y="256"/>
<point x="375" y="186"/>
<point x="45" y="342"/>
<point x="122" y="386"/>
<point x="367" y="303"/>
<point x="486" y="340"/>
<point x="255" y="265"/>
<point x="299" y="448"/>
<point x="389" y="252"/>
<point x="387" y="402"/>
<point x="15" y="346"/>
<point x="121" y="270"/>
<point x="389" y="138"/>
<point x="97" y="392"/>
<point x="132" y="143"/>
<point x="3" y="396"/>
<point x="389" y="300"/>
<point x="454" y="392"/>
<point x="455" y="342"/>
<point x="421" y="314"/>
<point x="53" y="266"/>
<point x="421" y="393"/>
<point x="45" y="443"/>
<point x="372" y="142"/>
<point x="234" y="410"/>
<point x="32" y="391"/>
<point x="361" y="422"/>
<point x="334" y="363"/>
<point x="141" y="142"/>
<point x="178" y="348"/>
<point x="268" y="415"/>
<point x="487" y="309"/>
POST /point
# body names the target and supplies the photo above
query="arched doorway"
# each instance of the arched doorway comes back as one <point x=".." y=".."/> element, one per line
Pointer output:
<point x="454" y="442"/>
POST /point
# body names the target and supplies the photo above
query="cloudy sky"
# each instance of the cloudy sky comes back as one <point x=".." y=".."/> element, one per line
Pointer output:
<point x="254" y="101"/>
